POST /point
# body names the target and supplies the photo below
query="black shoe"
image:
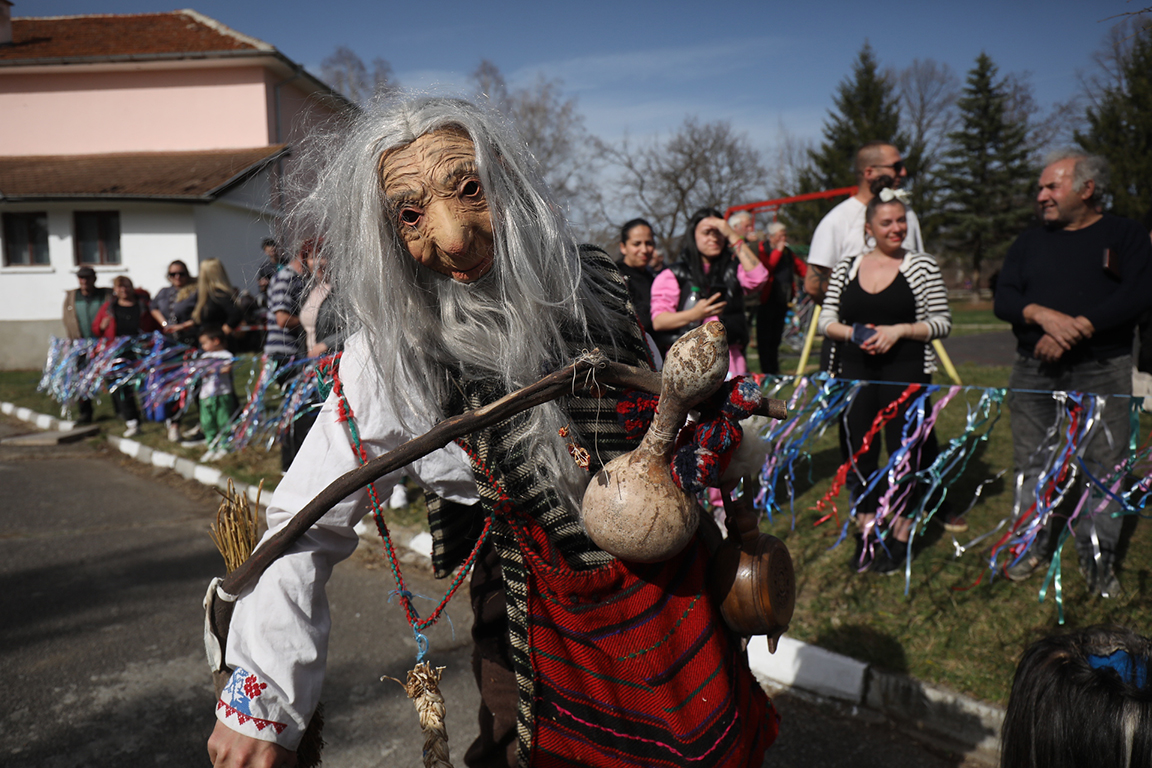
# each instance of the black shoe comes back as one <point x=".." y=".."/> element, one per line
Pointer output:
<point x="1100" y="575"/>
<point x="1107" y="585"/>
<point x="891" y="560"/>
<point x="955" y="523"/>
<point x="1027" y="566"/>
<point x="860" y="562"/>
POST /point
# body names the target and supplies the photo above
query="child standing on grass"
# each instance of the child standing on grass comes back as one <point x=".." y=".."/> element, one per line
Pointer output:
<point x="217" y="393"/>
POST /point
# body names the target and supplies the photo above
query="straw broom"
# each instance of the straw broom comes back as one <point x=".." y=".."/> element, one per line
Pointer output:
<point x="235" y="535"/>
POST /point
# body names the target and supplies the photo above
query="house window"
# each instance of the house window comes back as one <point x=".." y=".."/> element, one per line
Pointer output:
<point x="97" y="236"/>
<point x="25" y="239"/>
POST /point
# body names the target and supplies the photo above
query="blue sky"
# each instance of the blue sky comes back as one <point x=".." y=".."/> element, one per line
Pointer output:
<point x="642" y="67"/>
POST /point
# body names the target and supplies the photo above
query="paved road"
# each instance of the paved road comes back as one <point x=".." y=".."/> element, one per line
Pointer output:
<point x="103" y="564"/>
<point x="998" y="348"/>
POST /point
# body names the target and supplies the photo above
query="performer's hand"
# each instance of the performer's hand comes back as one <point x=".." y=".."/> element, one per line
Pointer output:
<point x="1047" y="349"/>
<point x="105" y="322"/>
<point x="229" y="749"/>
<point x="317" y="349"/>
<point x="883" y="340"/>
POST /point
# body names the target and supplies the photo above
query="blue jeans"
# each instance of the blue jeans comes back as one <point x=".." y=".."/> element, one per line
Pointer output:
<point x="1034" y="413"/>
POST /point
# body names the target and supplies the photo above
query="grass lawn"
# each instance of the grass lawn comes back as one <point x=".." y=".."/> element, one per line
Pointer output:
<point x="967" y="639"/>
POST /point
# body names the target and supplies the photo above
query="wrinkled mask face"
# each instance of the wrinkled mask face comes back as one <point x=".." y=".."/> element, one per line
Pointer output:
<point x="434" y="192"/>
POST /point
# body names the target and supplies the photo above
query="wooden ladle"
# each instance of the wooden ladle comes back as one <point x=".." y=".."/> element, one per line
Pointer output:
<point x="633" y="509"/>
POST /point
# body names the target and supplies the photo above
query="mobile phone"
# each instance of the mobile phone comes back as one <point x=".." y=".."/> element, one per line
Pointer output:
<point x="861" y="333"/>
<point x="1110" y="263"/>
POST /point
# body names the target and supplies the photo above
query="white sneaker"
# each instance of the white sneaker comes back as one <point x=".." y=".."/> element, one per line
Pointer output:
<point x="399" y="496"/>
<point x="133" y="428"/>
<point x="173" y="431"/>
<point x="214" y="455"/>
<point x="193" y="443"/>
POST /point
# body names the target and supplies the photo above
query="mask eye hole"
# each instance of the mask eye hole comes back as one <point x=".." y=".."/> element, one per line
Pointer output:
<point x="411" y="216"/>
<point x="470" y="189"/>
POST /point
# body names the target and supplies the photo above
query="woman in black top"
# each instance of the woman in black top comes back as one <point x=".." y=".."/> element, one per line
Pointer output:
<point x="882" y="309"/>
<point x="216" y="299"/>
<point x="125" y="314"/>
<point x="637" y="246"/>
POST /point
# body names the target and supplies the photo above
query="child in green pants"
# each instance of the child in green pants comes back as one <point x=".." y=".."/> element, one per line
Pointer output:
<point x="217" y="394"/>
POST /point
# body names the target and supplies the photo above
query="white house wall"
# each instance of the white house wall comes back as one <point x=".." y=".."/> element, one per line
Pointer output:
<point x="151" y="235"/>
<point x="233" y="232"/>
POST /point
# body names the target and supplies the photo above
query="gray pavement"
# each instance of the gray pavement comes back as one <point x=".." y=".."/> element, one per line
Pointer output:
<point x="103" y="564"/>
<point x="998" y="348"/>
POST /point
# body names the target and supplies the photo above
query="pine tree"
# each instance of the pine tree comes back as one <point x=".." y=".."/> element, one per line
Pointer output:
<point x="866" y="108"/>
<point x="1120" y="129"/>
<point x="986" y="171"/>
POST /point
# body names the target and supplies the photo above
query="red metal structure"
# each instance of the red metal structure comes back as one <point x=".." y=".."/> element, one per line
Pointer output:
<point x="778" y="203"/>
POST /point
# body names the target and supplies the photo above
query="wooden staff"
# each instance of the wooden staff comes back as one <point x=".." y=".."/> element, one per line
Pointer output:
<point x="588" y="372"/>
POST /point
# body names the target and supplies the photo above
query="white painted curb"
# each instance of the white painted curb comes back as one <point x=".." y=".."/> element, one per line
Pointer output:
<point x="798" y="664"/>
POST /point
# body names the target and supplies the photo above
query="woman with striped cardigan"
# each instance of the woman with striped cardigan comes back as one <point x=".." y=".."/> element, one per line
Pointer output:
<point x="883" y="308"/>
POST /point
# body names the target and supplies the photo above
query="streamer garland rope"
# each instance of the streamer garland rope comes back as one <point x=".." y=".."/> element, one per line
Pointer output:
<point x="167" y="374"/>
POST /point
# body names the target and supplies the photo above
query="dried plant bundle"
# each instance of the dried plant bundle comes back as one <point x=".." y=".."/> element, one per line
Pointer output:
<point x="423" y="687"/>
<point x="235" y="529"/>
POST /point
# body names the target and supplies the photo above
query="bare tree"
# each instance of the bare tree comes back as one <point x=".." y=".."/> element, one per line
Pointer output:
<point x="700" y="164"/>
<point x="927" y="90"/>
<point x="790" y="157"/>
<point x="551" y="126"/>
<point x="345" y="72"/>
<point x="383" y="78"/>
<point x="1106" y="76"/>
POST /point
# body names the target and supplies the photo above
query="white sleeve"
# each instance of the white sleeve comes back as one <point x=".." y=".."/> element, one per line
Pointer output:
<point x="278" y="637"/>
<point x="913" y="241"/>
<point x="824" y="250"/>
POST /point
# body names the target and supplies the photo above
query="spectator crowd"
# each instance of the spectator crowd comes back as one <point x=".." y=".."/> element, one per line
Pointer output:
<point x="882" y="304"/>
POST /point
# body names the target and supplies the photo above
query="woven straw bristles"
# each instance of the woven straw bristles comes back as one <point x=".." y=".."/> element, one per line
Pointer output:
<point x="235" y="528"/>
<point x="423" y="688"/>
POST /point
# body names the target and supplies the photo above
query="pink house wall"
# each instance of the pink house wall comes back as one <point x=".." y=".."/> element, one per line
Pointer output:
<point x="134" y="111"/>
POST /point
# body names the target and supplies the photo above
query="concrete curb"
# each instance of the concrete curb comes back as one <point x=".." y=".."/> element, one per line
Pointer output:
<point x="934" y="714"/>
<point x="944" y="717"/>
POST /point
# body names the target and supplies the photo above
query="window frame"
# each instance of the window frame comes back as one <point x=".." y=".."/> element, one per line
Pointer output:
<point x="102" y="219"/>
<point x="30" y="254"/>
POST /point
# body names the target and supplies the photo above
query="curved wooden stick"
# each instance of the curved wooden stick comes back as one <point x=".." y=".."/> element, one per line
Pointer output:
<point x="588" y="371"/>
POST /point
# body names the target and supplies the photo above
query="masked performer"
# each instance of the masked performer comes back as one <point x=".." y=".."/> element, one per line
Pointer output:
<point x="448" y="253"/>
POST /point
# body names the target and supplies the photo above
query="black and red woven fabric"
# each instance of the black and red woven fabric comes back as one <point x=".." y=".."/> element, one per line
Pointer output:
<point x="634" y="666"/>
<point x="704" y="448"/>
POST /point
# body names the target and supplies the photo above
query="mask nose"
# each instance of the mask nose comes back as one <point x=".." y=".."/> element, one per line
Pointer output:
<point x="450" y="232"/>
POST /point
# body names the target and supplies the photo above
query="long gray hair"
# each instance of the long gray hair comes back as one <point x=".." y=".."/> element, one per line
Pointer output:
<point x="511" y="324"/>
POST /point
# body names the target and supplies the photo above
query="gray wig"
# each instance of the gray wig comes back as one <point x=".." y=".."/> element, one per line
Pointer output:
<point x="1087" y="167"/>
<point x="737" y="217"/>
<point x="510" y="324"/>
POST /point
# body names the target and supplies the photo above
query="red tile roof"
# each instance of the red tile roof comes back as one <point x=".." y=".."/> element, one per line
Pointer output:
<point x="116" y="36"/>
<point x="189" y="176"/>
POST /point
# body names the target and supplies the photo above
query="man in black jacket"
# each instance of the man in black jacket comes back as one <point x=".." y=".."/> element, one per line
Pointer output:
<point x="1073" y="291"/>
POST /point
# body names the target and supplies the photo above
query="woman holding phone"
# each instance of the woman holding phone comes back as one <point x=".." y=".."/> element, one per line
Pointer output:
<point x="883" y="309"/>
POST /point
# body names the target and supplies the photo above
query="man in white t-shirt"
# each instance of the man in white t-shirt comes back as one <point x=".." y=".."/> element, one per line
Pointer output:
<point x="840" y="234"/>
